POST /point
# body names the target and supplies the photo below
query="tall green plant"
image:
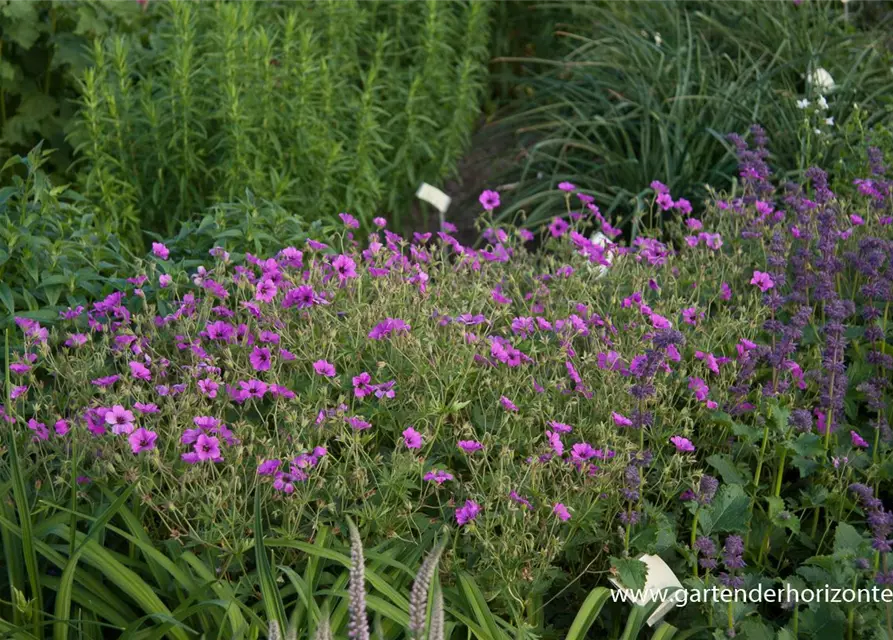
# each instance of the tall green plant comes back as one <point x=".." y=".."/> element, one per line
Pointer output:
<point x="319" y="106"/>
<point x="43" y="50"/>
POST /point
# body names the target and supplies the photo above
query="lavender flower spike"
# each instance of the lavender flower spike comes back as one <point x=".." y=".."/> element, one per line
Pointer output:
<point x="358" y="627"/>
<point x="418" y="598"/>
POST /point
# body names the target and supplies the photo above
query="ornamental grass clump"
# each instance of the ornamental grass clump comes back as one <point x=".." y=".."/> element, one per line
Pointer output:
<point x="708" y="395"/>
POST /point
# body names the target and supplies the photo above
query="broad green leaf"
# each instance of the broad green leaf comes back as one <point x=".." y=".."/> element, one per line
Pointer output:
<point x="631" y="573"/>
<point x="728" y="513"/>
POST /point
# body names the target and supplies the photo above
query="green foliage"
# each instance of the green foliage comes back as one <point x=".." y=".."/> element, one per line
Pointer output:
<point x="648" y="92"/>
<point x="52" y="251"/>
<point x="43" y="49"/>
<point x="315" y="106"/>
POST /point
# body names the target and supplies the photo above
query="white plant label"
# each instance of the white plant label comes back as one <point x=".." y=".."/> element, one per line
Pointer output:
<point x="434" y="196"/>
<point x="660" y="580"/>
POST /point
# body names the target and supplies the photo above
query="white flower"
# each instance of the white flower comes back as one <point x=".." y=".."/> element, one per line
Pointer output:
<point x="823" y="104"/>
<point x="657" y="39"/>
<point x="818" y="132"/>
<point x="802" y="104"/>
<point x="829" y="121"/>
<point x="821" y="80"/>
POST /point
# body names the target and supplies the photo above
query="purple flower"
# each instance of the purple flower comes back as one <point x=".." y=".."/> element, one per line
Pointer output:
<point x="260" y="359"/>
<point x="857" y="440"/>
<point x="561" y="511"/>
<point x="139" y="371"/>
<point x="324" y="368"/>
<point x="621" y="420"/>
<point x="558" y="227"/>
<point x="470" y="446"/>
<point x="438" y="476"/>
<point x="489" y="200"/>
<point x="268" y="467"/>
<point x="146" y="408"/>
<point x="388" y="326"/>
<point x="142" y="440"/>
<point x="560" y="427"/>
<point x="762" y="280"/>
<point x="682" y="445"/>
<point x="344" y="267"/>
<point x="160" y="251"/>
<point x="566" y="186"/>
<point x="349" y="221"/>
<point x="468" y="512"/>
<point x="120" y="419"/>
<point x="507" y="404"/>
<point x="207" y="448"/>
<point x="265" y="290"/>
<point x="412" y="438"/>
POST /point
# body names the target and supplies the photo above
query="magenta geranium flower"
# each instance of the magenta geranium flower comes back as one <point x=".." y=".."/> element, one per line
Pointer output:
<point x="146" y="408"/>
<point x="683" y="445"/>
<point x="468" y="512"/>
<point x="437" y="475"/>
<point x="40" y="429"/>
<point x="762" y="280"/>
<point x="560" y="427"/>
<point x="558" y="227"/>
<point x="349" y="221"/>
<point x="324" y="368"/>
<point x="358" y="424"/>
<point x="142" y="440"/>
<point x="160" y="251"/>
<point x="207" y="448"/>
<point x="260" y="359"/>
<point x="507" y="404"/>
<point x="412" y="438"/>
<point x="561" y="511"/>
<point x="699" y="387"/>
<point x="857" y="440"/>
<point x="621" y="420"/>
<point x="265" y="290"/>
<point x="470" y="446"/>
<point x="139" y="371"/>
<point x="120" y="419"/>
<point x="344" y="267"/>
<point x="566" y="186"/>
<point x="489" y="200"/>
<point x="268" y="467"/>
<point x="555" y="442"/>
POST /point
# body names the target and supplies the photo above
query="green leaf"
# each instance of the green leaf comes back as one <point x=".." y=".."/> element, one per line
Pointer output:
<point x="804" y="465"/>
<point x="6" y="298"/>
<point x="726" y="468"/>
<point x="826" y="621"/>
<point x="755" y="629"/>
<point x="475" y="598"/>
<point x="808" y="444"/>
<point x="588" y="613"/>
<point x="272" y="599"/>
<point x="631" y="573"/>
<point x="66" y="584"/>
<point x="847" y="538"/>
<point x="728" y="511"/>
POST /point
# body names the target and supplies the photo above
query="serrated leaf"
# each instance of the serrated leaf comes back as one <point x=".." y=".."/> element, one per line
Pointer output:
<point x="631" y="573"/>
<point x="847" y="538"/>
<point x="728" y="511"/>
<point x="755" y="629"/>
<point x="804" y="465"/>
<point x="826" y="621"/>
<point x="808" y="444"/>
<point x="726" y="468"/>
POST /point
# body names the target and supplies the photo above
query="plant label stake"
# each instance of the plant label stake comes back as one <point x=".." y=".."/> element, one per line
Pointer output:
<point x="436" y="197"/>
<point x="660" y="580"/>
